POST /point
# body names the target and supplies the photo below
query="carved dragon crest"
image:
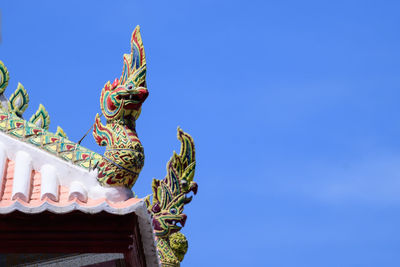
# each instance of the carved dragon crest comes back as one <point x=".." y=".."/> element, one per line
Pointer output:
<point x="121" y="104"/>
<point x="169" y="198"/>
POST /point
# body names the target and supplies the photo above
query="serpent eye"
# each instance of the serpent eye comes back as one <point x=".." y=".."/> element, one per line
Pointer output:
<point x="130" y="86"/>
<point x="173" y="211"/>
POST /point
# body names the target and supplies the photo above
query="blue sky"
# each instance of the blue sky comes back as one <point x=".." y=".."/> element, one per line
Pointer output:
<point x="293" y="106"/>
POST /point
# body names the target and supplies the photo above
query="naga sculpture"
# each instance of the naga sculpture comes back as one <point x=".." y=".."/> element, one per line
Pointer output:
<point x="120" y="104"/>
<point x="123" y="159"/>
<point x="169" y="198"/>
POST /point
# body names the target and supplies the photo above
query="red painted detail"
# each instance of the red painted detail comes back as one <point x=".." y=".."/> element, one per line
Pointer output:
<point x="85" y="156"/>
<point x="3" y="117"/>
<point x="110" y="181"/>
<point x="133" y="106"/>
<point x="37" y="131"/>
<point x="98" y="139"/>
<point x="119" y="176"/>
<point x="135" y="138"/>
<point x="115" y="83"/>
<point x="135" y="40"/>
<point x="110" y="104"/>
<point x="143" y="92"/>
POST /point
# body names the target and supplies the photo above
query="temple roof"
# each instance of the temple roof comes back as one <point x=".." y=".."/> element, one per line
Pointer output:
<point x="46" y="193"/>
<point x="33" y="181"/>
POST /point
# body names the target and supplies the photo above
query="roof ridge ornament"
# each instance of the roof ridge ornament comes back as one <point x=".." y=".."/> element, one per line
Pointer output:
<point x="170" y="195"/>
<point x="41" y="118"/>
<point x="60" y="132"/>
<point x="18" y="101"/>
<point x="4" y="77"/>
<point x="35" y="131"/>
<point x="121" y="103"/>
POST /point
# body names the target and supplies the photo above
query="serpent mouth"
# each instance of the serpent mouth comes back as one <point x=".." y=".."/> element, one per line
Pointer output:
<point x="133" y="98"/>
<point x="177" y="223"/>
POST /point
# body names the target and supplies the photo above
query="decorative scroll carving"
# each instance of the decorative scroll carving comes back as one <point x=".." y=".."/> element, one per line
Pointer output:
<point x="35" y="131"/>
<point x="4" y="77"/>
<point x="18" y="101"/>
<point x="41" y="118"/>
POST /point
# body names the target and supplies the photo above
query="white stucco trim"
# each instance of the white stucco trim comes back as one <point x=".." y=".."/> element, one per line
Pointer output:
<point x="49" y="184"/>
<point x="77" y="190"/>
<point x="66" y="172"/>
<point x="22" y="176"/>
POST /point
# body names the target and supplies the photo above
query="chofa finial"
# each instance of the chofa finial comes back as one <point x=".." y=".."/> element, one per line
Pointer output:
<point x="121" y="103"/>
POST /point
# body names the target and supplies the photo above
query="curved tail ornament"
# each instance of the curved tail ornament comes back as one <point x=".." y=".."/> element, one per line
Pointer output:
<point x="169" y="198"/>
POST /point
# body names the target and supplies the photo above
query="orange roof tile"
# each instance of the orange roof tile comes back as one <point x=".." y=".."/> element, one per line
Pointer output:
<point x="67" y="201"/>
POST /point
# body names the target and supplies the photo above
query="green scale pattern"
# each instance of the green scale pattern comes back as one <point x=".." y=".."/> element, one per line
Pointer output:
<point x="61" y="147"/>
<point x="35" y="131"/>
